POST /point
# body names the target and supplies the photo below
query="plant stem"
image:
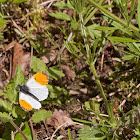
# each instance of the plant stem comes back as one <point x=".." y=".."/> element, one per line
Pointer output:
<point x="18" y="130"/>
<point x="101" y="89"/>
<point x="31" y="126"/>
<point x="85" y="37"/>
<point x="88" y="51"/>
<point x="97" y="5"/>
<point x="92" y="13"/>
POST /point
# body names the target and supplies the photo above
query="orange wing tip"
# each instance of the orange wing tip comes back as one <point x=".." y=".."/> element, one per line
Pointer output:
<point x="26" y="106"/>
<point x="41" y="78"/>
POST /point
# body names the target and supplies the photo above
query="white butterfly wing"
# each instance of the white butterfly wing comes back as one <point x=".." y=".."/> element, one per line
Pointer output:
<point x="26" y="101"/>
<point x="41" y="92"/>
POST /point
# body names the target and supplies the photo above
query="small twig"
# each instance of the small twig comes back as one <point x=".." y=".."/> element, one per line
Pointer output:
<point x="99" y="99"/>
<point x="12" y="135"/>
<point x="102" y="61"/>
<point x="62" y="49"/>
<point x="104" y="115"/>
<point x="69" y="37"/>
<point x="46" y="127"/>
<point x="10" y="45"/>
<point x="14" y="23"/>
<point x="31" y="126"/>
<point x="123" y="102"/>
<point x="61" y="126"/>
<point x="31" y="57"/>
<point x="110" y="9"/>
<point x="57" y="130"/>
<point x="49" y="138"/>
<point x="129" y="95"/>
<point x="17" y="128"/>
<point x="49" y="5"/>
<point x="15" y="132"/>
<point x="5" y="71"/>
<point x="47" y="2"/>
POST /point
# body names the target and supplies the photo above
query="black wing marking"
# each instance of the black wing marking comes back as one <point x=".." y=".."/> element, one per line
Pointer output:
<point x="25" y="90"/>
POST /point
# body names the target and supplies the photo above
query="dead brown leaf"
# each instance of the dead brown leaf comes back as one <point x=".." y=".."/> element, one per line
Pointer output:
<point x="20" y="58"/>
<point x="49" y="56"/>
<point x="68" y="72"/>
<point x="60" y="117"/>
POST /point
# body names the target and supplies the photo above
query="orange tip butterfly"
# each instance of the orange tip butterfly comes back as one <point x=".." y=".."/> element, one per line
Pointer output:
<point x="33" y="91"/>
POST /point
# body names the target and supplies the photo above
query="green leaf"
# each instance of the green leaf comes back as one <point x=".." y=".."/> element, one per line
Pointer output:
<point x="16" y="111"/>
<point x="107" y="6"/>
<point x="105" y="28"/>
<point x="26" y="131"/>
<point x="2" y="93"/>
<point x="134" y="48"/>
<point x="17" y="31"/>
<point x="111" y="114"/>
<point x="134" y="51"/>
<point x="3" y="0"/>
<point x="19" y="77"/>
<point x="134" y="138"/>
<point x="93" y="122"/>
<point x="92" y="104"/>
<point x="60" y="15"/>
<point x="121" y="39"/>
<point x="60" y="4"/>
<point x="68" y="46"/>
<point x="41" y="115"/>
<point x="14" y="114"/>
<point x="22" y="40"/>
<point x="128" y="57"/>
<point x="2" y="23"/>
<point x="55" y="73"/>
<point x="55" y="91"/>
<point x="63" y="5"/>
<point x="82" y="121"/>
<point x="137" y="132"/>
<point x="93" y="32"/>
<point x="18" y="1"/>
<point x="132" y="8"/>
<point x="4" y="117"/>
<point x="10" y="89"/>
<point x="78" y="5"/>
<point x="82" y="49"/>
<point x="18" y="80"/>
<point x="38" y="65"/>
<point x="138" y="13"/>
<point x="74" y="25"/>
<point x="6" y="135"/>
<point x="7" y="106"/>
<point x="89" y="133"/>
<point x="118" y="25"/>
<point x="69" y="135"/>
<point x="34" y="46"/>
